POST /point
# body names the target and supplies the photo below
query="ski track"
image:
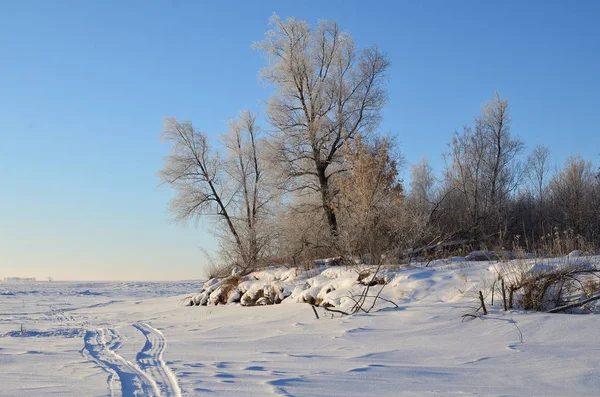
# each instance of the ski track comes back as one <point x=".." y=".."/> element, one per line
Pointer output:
<point x="150" y="376"/>
<point x="151" y="360"/>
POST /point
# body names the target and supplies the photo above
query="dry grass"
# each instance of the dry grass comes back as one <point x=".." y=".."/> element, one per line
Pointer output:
<point x="543" y="284"/>
<point x="251" y="301"/>
<point x="228" y="286"/>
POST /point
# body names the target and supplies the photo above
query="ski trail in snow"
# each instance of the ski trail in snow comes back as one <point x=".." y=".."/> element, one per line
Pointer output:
<point x="151" y="360"/>
<point x="113" y="344"/>
<point x="102" y="345"/>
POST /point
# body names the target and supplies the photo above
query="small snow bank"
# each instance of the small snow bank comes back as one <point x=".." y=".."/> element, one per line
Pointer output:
<point x="340" y="286"/>
<point x="575" y="254"/>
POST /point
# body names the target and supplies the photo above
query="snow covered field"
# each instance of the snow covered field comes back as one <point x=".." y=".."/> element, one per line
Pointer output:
<point x="137" y="339"/>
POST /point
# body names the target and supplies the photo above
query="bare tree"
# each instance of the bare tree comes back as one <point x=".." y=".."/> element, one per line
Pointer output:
<point x="571" y="192"/>
<point x="231" y="188"/>
<point x="483" y="165"/>
<point x="502" y="168"/>
<point x="538" y="169"/>
<point x="465" y="172"/>
<point x="253" y="192"/>
<point x="422" y="182"/>
<point x="327" y="92"/>
<point x="538" y="172"/>
<point x="422" y="206"/>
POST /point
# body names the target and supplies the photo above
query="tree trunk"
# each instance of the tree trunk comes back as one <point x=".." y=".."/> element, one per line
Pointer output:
<point x="326" y="202"/>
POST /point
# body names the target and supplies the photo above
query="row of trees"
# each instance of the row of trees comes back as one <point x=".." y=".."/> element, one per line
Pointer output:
<point x="323" y="183"/>
<point x="494" y="196"/>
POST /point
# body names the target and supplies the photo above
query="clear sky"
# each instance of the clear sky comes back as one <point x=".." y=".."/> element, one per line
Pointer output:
<point x="84" y="86"/>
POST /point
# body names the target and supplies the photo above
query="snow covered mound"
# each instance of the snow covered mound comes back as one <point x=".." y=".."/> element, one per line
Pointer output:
<point x="340" y="286"/>
<point x="446" y="280"/>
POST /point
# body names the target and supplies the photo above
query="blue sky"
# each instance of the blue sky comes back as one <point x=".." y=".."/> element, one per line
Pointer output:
<point x="84" y="86"/>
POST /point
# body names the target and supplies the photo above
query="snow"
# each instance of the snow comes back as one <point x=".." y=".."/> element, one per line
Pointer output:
<point x="99" y="339"/>
<point x="575" y="254"/>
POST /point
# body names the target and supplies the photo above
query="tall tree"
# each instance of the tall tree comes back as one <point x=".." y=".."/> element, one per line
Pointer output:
<point x="231" y="188"/>
<point x="572" y="191"/>
<point x="503" y="170"/>
<point x="253" y="194"/>
<point x="422" y="182"/>
<point x="327" y="92"/>
<point x="538" y="169"/>
<point x="484" y="165"/>
<point x="538" y="172"/>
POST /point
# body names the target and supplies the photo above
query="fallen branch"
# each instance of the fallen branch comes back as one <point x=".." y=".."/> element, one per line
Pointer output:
<point x="315" y="310"/>
<point x="572" y="305"/>
<point x="361" y="300"/>
<point x="335" y="311"/>
<point x="383" y="299"/>
<point x="375" y="300"/>
<point x="464" y="316"/>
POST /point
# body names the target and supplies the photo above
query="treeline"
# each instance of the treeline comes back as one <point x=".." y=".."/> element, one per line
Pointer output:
<point x="323" y="183"/>
<point x="492" y="195"/>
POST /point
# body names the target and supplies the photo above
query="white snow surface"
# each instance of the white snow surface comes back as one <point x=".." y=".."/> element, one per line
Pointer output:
<point x="138" y="339"/>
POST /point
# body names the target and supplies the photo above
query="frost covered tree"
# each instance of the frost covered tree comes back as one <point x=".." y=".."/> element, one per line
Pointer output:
<point x="232" y="188"/>
<point x="538" y="172"/>
<point x="424" y="205"/>
<point x="484" y="167"/>
<point x="503" y="169"/>
<point x="327" y="92"/>
<point x="422" y="184"/>
<point x="572" y="193"/>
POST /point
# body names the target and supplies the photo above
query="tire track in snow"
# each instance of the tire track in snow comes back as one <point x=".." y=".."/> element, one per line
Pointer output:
<point x="151" y="360"/>
<point x="101" y="345"/>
